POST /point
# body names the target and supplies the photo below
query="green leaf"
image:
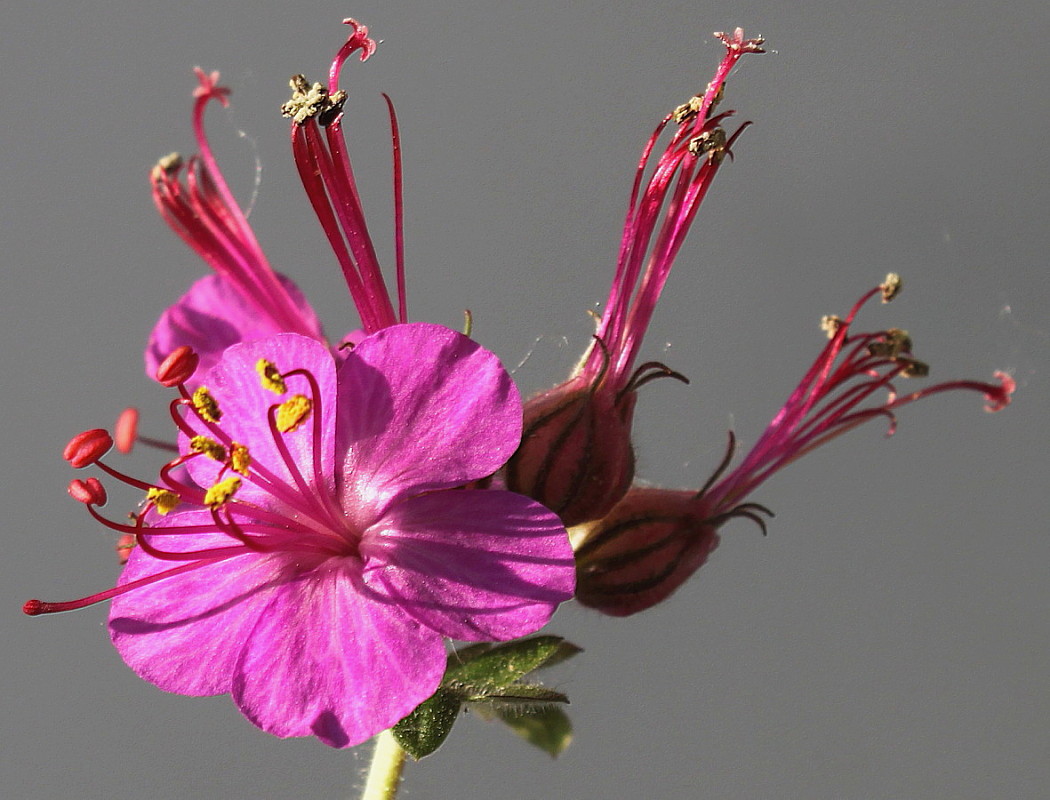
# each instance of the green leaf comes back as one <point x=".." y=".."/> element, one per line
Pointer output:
<point x="423" y="731"/>
<point x="549" y="729"/>
<point x="502" y="665"/>
<point x="518" y="694"/>
<point x="488" y="676"/>
<point x="565" y="651"/>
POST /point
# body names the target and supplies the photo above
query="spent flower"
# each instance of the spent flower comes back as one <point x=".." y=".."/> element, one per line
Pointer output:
<point x="655" y="539"/>
<point x="245" y="298"/>
<point x="576" y="455"/>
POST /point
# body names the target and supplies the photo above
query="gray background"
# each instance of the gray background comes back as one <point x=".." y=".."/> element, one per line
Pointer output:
<point x="889" y="639"/>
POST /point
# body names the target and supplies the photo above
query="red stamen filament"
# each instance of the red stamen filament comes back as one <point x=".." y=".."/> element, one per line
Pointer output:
<point x="826" y="404"/>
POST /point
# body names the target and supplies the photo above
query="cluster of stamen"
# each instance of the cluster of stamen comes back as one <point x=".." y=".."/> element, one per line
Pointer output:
<point x="668" y="189"/>
<point x="321" y="158"/>
<point x="834" y="397"/>
<point x="312" y="100"/>
<point x="249" y="526"/>
<point x="654" y="539"/>
<point x="193" y="198"/>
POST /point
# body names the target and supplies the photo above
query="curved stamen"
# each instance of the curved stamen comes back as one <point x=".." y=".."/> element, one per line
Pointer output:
<point x="35" y="607"/>
<point x="358" y="40"/>
<point x="399" y="212"/>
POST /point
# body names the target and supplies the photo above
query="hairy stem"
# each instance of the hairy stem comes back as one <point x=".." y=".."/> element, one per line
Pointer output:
<point x="384" y="773"/>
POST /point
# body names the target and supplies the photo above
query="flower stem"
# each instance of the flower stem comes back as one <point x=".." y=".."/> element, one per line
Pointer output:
<point x="384" y="773"/>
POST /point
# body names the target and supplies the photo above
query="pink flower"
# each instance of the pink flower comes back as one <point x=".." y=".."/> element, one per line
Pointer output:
<point x="654" y="539"/>
<point x="245" y="299"/>
<point x="576" y="456"/>
<point x="315" y="576"/>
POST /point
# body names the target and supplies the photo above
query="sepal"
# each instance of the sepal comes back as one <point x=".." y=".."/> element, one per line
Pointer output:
<point x="490" y="678"/>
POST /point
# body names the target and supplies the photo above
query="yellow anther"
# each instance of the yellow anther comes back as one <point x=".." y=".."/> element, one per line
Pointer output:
<point x="831" y="324"/>
<point x="309" y="100"/>
<point x="712" y="143"/>
<point x="211" y="448"/>
<point x="891" y="287"/>
<point x="221" y="492"/>
<point x="915" y="368"/>
<point x="163" y="500"/>
<point x="206" y="406"/>
<point x="240" y="459"/>
<point x="166" y="167"/>
<point x="293" y="412"/>
<point x="689" y="109"/>
<point x="270" y="377"/>
<point x="718" y="98"/>
<point x="895" y="343"/>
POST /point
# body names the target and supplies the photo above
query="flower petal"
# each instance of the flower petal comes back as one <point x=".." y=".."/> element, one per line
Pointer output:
<point x="475" y="565"/>
<point x="213" y="315"/>
<point x="328" y="660"/>
<point x="421" y="407"/>
<point x="245" y="404"/>
<point x="185" y="633"/>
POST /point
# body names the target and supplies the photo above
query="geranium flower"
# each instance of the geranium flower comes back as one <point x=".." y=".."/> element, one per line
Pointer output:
<point x="655" y="539"/>
<point x="331" y="548"/>
<point x="246" y="299"/>
<point x="576" y="456"/>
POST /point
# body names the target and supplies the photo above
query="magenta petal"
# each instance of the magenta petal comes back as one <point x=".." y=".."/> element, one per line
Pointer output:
<point x="245" y="404"/>
<point x="327" y="660"/>
<point x="213" y="315"/>
<point x="475" y="565"/>
<point x="185" y="633"/>
<point x="421" y="407"/>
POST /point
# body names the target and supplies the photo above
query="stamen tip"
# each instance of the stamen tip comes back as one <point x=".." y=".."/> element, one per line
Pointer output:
<point x="87" y="447"/>
<point x="891" y="287"/>
<point x="126" y="430"/>
<point x="997" y="401"/>
<point x="178" y="367"/>
<point x="32" y="608"/>
<point x="90" y="492"/>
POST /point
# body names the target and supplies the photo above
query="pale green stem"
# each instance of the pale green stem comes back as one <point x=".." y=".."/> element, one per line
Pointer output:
<point x="384" y="773"/>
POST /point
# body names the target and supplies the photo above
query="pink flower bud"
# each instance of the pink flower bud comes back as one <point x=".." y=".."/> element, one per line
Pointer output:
<point x="88" y="447"/>
<point x="575" y="455"/>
